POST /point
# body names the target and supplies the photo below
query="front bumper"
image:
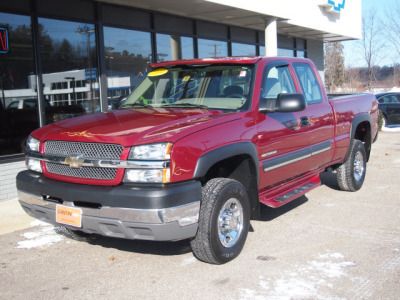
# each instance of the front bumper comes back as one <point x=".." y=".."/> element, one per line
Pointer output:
<point x="167" y="213"/>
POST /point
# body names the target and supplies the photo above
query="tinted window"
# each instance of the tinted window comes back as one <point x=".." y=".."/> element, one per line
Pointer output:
<point x="212" y="48"/>
<point x="173" y="47"/>
<point x="301" y="53"/>
<point x="285" y="52"/>
<point x="277" y="81"/>
<point x="389" y="99"/>
<point x="127" y="53"/>
<point x="68" y="53"/>
<point x="17" y="82"/>
<point x="308" y="82"/>
<point x="239" y="49"/>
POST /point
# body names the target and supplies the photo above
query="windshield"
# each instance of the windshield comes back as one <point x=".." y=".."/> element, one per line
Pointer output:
<point x="214" y="87"/>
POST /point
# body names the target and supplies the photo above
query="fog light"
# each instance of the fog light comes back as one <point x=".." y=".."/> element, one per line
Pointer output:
<point x="145" y="175"/>
<point x="33" y="165"/>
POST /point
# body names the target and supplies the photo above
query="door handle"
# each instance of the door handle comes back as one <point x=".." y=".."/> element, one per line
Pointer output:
<point x="305" y="121"/>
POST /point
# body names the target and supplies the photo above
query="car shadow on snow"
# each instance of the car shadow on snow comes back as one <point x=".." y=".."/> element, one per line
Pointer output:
<point x="183" y="247"/>
<point x="138" y="246"/>
<point x="269" y="213"/>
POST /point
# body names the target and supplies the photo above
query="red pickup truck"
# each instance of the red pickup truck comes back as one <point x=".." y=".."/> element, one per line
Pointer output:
<point x="195" y="149"/>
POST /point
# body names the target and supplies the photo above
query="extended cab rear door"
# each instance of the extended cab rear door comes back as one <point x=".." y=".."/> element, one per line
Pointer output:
<point x="317" y="119"/>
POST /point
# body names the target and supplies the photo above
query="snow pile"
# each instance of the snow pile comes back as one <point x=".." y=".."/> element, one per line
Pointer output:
<point x="304" y="282"/>
<point x="44" y="235"/>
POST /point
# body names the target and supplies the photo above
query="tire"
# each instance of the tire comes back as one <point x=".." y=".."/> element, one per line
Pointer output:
<point x="351" y="174"/>
<point x="384" y="121"/>
<point x="212" y="243"/>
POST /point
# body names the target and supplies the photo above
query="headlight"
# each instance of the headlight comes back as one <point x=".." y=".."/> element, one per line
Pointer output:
<point x="155" y="159"/>
<point x="33" y="144"/>
<point x="159" y="151"/>
<point x="33" y="165"/>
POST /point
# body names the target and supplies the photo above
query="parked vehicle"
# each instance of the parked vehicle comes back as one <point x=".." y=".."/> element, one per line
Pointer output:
<point x="195" y="149"/>
<point x="20" y="118"/>
<point x="389" y="105"/>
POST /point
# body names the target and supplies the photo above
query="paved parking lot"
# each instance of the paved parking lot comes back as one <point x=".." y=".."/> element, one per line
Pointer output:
<point x="328" y="244"/>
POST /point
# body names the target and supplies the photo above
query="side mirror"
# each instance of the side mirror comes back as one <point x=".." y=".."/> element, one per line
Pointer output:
<point x="283" y="103"/>
<point x="290" y="103"/>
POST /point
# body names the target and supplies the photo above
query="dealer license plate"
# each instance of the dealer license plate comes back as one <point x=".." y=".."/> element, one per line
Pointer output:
<point x="69" y="215"/>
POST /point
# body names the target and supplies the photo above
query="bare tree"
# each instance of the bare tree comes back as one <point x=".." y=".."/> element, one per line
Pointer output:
<point x="352" y="79"/>
<point x="371" y="43"/>
<point x="392" y="26"/>
<point x="392" y="34"/>
<point x="334" y="65"/>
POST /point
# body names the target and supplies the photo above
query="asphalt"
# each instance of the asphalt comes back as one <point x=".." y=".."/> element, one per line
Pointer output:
<point x="325" y="245"/>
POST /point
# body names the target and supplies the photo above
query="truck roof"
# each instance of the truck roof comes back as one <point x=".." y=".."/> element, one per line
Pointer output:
<point x="204" y="61"/>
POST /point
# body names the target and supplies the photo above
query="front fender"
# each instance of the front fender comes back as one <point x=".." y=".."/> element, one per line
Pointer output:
<point x="207" y="160"/>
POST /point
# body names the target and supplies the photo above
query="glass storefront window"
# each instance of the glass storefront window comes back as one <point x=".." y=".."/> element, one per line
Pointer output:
<point x="240" y="49"/>
<point x="301" y="53"/>
<point x="262" y="50"/>
<point x="68" y="53"/>
<point x="285" y="52"/>
<point x="212" y="48"/>
<point x="18" y="105"/>
<point x="127" y="53"/>
<point x="172" y="47"/>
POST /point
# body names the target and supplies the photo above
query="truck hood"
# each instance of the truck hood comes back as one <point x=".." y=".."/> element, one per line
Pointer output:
<point x="129" y="127"/>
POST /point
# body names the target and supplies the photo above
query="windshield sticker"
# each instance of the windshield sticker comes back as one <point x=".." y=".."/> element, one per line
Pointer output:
<point x="243" y="73"/>
<point x="186" y="78"/>
<point x="157" y="72"/>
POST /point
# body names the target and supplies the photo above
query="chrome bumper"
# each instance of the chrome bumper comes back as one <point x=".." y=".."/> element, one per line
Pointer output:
<point x="173" y="223"/>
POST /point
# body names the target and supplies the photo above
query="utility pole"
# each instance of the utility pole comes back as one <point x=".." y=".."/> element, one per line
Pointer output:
<point x="86" y="30"/>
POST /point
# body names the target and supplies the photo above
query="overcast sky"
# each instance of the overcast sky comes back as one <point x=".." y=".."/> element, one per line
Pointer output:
<point x="352" y="49"/>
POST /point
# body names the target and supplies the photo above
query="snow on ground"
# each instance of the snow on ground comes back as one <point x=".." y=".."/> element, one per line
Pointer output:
<point x="42" y="235"/>
<point x="188" y="261"/>
<point x="302" y="282"/>
<point x="391" y="128"/>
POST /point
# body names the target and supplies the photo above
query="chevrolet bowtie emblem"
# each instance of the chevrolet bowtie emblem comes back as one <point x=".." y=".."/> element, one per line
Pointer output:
<point x="75" y="162"/>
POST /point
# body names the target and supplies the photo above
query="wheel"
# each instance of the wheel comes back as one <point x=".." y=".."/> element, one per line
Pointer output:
<point x="384" y="122"/>
<point x="351" y="174"/>
<point x="224" y="221"/>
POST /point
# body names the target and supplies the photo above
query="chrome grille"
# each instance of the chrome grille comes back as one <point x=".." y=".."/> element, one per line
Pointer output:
<point x="85" y="172"/>
<point x="83" y="150"/>
<point x="86" y="150"/>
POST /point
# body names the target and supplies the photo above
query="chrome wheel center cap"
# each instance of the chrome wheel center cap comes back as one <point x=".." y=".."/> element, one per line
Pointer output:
<point x="230" y="222"/>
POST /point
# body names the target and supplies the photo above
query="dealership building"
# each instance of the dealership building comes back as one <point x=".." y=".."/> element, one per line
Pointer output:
<point x="60" y="59"/>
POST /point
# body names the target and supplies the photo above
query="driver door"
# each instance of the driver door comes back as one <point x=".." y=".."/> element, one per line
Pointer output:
<point x="281" y="139"/>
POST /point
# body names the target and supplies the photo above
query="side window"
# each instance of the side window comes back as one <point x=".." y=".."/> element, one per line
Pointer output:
<point x="308" y="82"/>
<point x="389" y="99"/>
<point x="13" y="105"/>
<point x="277" y="81"/>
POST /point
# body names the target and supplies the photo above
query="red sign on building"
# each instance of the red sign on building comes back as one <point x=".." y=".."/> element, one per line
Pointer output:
<point x="4" y="46"/>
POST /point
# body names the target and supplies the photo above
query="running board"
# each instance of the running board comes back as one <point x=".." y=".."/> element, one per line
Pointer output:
<point x="290" y="192"/>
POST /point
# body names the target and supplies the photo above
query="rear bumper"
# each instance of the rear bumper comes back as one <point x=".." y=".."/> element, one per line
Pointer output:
<point x="165" y="213"/>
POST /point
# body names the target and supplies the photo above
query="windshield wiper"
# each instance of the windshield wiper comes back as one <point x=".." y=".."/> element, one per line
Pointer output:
<point x="185" y="104"/>
<point x="136" y="104"/>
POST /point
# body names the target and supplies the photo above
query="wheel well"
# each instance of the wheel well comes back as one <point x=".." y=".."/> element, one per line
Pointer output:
<point x="363" y="133"/>
<point x="242" y="169"/>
